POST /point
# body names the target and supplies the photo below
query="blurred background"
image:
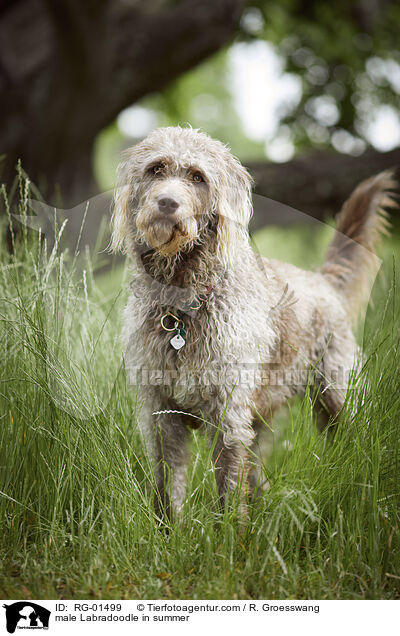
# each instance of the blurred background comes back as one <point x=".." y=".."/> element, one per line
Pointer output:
<point x="305" y="92"/>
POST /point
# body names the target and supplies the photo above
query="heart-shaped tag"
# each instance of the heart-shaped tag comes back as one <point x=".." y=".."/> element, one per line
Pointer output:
<point x="177" y="342"/>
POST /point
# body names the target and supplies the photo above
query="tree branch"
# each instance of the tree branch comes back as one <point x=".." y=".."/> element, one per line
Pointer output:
<point x="316" y="183"/>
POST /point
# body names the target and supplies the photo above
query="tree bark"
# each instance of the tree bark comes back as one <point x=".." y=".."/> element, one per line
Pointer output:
<point x="67" y="68"/>
<point x="316" y="184"/>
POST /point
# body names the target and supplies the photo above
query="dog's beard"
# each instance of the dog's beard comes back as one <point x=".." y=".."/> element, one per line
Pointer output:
<point x="160" y="232"/>
<point x="168" y="235"/>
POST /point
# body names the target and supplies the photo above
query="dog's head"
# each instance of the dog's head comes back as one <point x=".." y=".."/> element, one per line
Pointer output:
<point x="172" y="186"/>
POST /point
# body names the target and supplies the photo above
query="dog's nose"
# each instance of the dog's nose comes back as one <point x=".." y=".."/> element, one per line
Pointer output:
<point x="167" y="205"/>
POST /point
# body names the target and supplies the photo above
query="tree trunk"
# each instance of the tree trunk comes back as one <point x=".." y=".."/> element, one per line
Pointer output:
<point x="67" y="68"/>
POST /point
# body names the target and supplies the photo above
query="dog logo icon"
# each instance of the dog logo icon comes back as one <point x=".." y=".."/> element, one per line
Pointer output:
<point x="26" y="615"/>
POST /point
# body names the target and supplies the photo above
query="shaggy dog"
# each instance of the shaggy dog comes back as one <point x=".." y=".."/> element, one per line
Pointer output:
<point x="213" y="332"/>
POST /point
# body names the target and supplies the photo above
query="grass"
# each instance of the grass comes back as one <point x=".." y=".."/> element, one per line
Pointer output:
<point x="77" y="519"/>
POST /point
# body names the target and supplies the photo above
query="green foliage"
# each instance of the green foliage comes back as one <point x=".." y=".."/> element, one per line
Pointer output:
<point x="202" y="98"/>
<point x="345" y="54"/>
<point x="328" y="45"/>
<point x="77" y="517"/>
<point x="107" y="155"/>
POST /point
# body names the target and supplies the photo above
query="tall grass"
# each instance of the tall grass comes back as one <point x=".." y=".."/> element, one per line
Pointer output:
<point x="76" y="489"/>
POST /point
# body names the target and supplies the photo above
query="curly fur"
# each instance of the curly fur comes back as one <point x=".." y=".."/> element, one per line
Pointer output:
<point x="264" y="325"/>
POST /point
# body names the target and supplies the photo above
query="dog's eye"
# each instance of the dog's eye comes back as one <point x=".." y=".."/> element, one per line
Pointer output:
<point x="158" y="169"/>
<point x="198" y="177"/>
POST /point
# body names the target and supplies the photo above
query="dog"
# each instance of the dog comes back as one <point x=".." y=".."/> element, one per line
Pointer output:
<point x="214" y="334"/>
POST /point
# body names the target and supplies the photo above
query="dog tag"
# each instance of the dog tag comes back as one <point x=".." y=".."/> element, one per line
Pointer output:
<point x="178" y="341"/>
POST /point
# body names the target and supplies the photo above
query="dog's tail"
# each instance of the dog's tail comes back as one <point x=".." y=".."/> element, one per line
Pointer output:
<point x="351" y="261"/>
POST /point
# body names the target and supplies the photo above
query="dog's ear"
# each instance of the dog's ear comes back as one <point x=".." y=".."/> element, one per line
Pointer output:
<point x="234" y="208"/>
<point x="120" y="216"/>
<point x="126" y="188"/>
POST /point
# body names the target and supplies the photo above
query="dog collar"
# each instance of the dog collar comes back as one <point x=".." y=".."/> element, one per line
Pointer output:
<point x="173" y="322"/>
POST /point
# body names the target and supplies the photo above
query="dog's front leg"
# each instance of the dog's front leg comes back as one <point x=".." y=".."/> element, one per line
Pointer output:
<point x="170" y="438"/>
<point x="231" y="455"/>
